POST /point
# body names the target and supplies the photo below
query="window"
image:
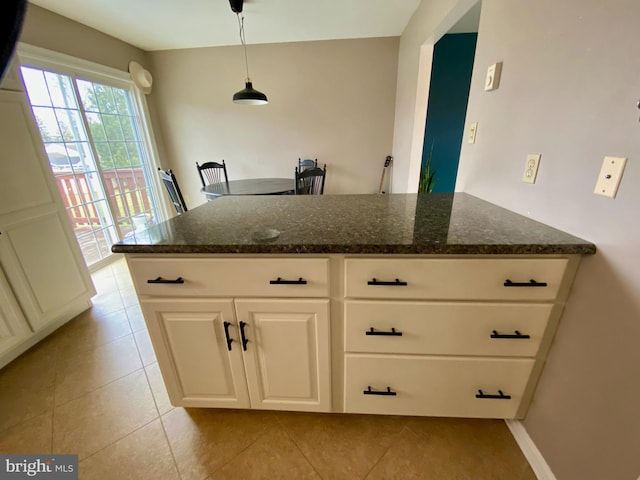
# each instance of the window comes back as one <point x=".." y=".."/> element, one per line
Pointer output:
<point x="94" y="139"/>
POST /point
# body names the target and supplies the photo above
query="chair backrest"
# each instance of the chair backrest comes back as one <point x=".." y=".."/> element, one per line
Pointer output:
<point x="212" y="172"/>
<point x="306" y="164"/>
<point x="171" y="183"/>
<point x="310" y="181"/>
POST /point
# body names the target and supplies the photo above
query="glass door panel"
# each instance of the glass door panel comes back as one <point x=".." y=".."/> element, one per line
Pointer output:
<point x="114" y="129"/>
<point x="97" y="157"/>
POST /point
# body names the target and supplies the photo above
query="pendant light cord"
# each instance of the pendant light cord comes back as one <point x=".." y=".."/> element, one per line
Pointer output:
<point x="244" y="43"/>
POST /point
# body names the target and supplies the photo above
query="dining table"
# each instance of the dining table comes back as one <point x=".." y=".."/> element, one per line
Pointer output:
<point x="250" y="186"/>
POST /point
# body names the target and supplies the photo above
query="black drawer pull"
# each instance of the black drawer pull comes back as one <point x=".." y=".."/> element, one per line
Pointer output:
<point x="517" y="334"/>
<point x="388" y="392"/>
<point x="242" y="336"/>
<point x="280" y="281"/>
<point x="530" y="283"/>
<point x="392" y="333"/>
<point x="500" y="396"/>
<point x="164" y="280"/>
<point x="396" y="283"/>
<point x="226" y="334"/>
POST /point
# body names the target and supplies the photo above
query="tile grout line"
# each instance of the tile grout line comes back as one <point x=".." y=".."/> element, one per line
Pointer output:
<point x="404" y="427"/>
<point x="238" y="454"/>
<point x="101" y="387"/>
<point x="53" y="400"/>
<point x="155" y="401"/>
<point x="153" y="396"/>
<point x="166" y="437"/>
<point x="117" y="440"/>
<point x="293" y="440"/>
<point x="55" y="385"/>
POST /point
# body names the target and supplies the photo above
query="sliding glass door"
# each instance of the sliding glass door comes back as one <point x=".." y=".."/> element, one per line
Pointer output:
<point x="92" y="137"/>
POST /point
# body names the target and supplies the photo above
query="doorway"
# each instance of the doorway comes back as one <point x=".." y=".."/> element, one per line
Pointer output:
<point x="450" y="80"/>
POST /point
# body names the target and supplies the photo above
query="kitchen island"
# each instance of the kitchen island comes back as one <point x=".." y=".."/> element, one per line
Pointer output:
<point x="416" y="304"/>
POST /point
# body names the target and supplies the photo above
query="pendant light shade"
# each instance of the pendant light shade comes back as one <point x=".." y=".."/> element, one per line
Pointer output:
<point x="250" y="96"/>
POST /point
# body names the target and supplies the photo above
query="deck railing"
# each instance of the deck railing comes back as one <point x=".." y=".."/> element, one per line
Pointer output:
<point x="126" y="193"/>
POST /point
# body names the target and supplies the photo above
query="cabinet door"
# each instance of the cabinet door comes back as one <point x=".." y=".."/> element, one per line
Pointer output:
<point x="13" y="327"/>
<point x="38" y="251"/>
<point x="287" y="358"/>
<point x="41" y="266"/>
<point x="200" y="368"/>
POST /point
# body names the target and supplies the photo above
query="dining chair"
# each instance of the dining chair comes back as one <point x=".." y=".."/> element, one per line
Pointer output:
<point x="310" y="181"/>
<point x="211" y="172"/>
<point x="171" y="183"/>
<point x="306" y="164"/>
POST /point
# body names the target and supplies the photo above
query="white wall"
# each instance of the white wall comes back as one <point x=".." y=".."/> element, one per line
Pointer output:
<point x="330" y="100"/>
<point x="570" y="83"/>
<point x="49" y="30"/>
<point x="431" y="20"/>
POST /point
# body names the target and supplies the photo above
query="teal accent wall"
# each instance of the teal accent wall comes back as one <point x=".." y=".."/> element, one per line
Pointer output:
<point x="451" y="71"/>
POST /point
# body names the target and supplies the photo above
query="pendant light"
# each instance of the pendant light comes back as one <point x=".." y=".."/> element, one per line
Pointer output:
<point x="248" y="95"/>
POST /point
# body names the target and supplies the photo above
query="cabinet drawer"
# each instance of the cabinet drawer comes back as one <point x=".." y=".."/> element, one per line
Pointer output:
<point x="272" y="277"/>
<point x="445" y="328"/>
<point x="435" y="386"/>
<point x="455" y="279"/>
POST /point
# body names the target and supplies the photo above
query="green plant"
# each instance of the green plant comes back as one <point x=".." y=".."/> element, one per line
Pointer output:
<point x="427" y="176"/>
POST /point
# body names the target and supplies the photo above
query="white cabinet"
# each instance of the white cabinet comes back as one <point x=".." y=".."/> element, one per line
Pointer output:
<point x="286" y="358"/>
<point x="199" y="367"/>
<point x="462" y="336"/>
<point x="265" y="277"/>
<point x="449" y="336"/>
<point x="455" y="278"/>
<point x="436" y="385"/>
<point x="235" y="352"/>
<point x="39" y="254"/>
<point x="13" y="327"/>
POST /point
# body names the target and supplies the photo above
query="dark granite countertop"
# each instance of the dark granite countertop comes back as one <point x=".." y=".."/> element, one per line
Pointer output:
<point x="369" y="224"/>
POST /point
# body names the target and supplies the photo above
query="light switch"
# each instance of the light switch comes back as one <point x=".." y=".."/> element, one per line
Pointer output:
<point x="610" y="176"/>
<point x="492" y="81"/>
<point x="531" y="168"/>
<point x="472" y="132"/>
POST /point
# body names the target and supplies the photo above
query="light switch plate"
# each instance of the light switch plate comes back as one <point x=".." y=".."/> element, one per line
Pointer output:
<point x="492" y="80"/>
<point x="531" y="168"/>
<point x="472" y="132"/>
<point x="610" y="176"/>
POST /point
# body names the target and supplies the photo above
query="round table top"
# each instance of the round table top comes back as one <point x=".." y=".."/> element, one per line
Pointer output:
<point x="250" y="186"/>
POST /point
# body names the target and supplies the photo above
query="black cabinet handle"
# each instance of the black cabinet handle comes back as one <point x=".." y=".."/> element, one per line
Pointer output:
<point x="242" y="337"/>
<point x="226" y="334"/>
<point x="396" y="283"/>
<point x="530" y="283"/>
<point x="280" y="281"/>
<point x="386" y="392"/>
<point x="392" y="333"/>
<point x="517" y="334"/>
<point x="500" y="396"/>
<point x="164" y="280"/>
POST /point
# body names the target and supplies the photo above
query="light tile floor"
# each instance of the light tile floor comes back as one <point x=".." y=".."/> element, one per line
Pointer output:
<point x="93" y="388"/>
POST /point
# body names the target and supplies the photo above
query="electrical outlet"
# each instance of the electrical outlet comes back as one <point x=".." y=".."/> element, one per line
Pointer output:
<point x="472" y="132"/>
<point x="610" y="176"/>
<point x="531" y="168"/>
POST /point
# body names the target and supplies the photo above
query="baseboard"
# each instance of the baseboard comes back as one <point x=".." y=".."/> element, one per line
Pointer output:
<point x="530" y="451"/>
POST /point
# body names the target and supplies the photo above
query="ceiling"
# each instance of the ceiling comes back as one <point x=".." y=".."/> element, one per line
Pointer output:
<point x="172" y="24"/>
